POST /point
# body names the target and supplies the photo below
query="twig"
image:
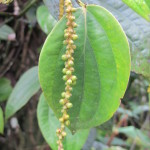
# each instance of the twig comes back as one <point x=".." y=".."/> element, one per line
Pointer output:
<point x="31" y="124"/>
<point x="80" y="3"/>
<point x="116" y="133"/>
<point x="25" y="48"/>
<point x="6" y="14"/>
<point x="27" y="7"/>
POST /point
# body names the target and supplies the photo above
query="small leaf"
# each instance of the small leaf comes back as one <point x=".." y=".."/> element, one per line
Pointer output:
<point x="45" y="20"/>
<point x="135" y="134"/>
<point x="5" y="32"/>
<point x="5" y="89"/>
<point x="53" y="6"/>
<point x="31" y="15"/>
<point x="125" y="111"/>
<point x="116" y="141"/>
<point x="140" y="109"/>
<point x="25" y="88"/>
<point x="1" y="121"/>
<point x="142" y="7"/>
<point x="102" y="66"/>
<point x="48" y="124"/>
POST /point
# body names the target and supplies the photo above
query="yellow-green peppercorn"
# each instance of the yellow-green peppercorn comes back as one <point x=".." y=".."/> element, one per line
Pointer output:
<point x="6" y="1"/>
<point x="61" y="8"/>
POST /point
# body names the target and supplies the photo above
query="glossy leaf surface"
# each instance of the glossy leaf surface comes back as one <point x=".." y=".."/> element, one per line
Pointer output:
<point x="45" y="20"/>
<point x="137" y="30"/>
<point x="142" y="7"/>
<point x="102" y="66"/>
<point x="49" y="123"/>
<point x="25" y="88"/>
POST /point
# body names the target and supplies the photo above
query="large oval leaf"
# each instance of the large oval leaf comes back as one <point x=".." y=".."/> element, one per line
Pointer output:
<point x="49" y="123"/>
<point x="102" y="66"/>
<point x="137" y="30"/>
<point x="25" y="88"/>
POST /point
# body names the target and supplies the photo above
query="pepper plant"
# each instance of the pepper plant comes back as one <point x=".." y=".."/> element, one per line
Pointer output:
<point x="100" y="60"/>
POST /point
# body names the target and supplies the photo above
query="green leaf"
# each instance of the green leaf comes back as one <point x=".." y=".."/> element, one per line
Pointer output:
<point x="141" y="109"/>
<point x="1" y="121"/>
<point x="45" y="20"/>
<point x="142" y="7"/>
<point x="5" y="89"/>
<point x="135" y="134"/>
<point x="137" y="30"/>
<point x="5" y="31"/>
<point x="126" y="111"/>
<point x="48" y="124"/>
<point x="31" y="16"/>
<point x="25" y="88"/>
<point x="102" y="66"/>
<point x="116" y="141"/>
<point x="53" y="7"/>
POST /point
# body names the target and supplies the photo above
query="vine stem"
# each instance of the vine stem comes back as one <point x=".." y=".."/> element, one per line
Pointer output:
<point x="80" y="3"/>
<point x="116" y="132"/>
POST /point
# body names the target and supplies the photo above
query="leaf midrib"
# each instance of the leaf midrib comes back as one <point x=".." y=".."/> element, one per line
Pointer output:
<point x="111" y="50"/>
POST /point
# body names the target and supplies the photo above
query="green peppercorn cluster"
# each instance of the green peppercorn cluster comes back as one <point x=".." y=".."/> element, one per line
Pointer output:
<point x="69" y="78"/>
